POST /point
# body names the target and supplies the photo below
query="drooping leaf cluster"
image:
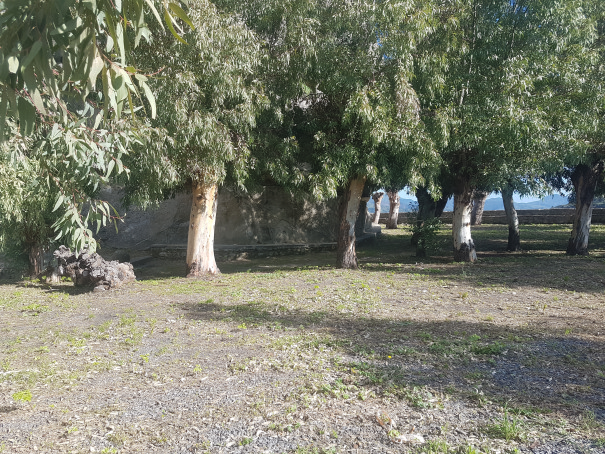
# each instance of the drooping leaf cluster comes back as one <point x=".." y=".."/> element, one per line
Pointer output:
<point x="65" y="82"/>
<point x="485" y="76"/>
<point x="338" y="77"/>
<point x="209" y="94"/>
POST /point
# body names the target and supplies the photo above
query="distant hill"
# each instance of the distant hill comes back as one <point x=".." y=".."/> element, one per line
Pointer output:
<point x="495" y="203"/>
<point x="552" y="201"/>
<point x="404" y="205"/>
<point x="598" y="202"/>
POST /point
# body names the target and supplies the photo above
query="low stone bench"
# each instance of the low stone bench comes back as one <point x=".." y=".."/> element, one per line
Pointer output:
<point x="225" y="252"/>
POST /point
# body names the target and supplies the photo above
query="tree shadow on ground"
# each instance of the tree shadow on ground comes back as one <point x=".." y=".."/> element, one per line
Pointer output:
<point x="517" y="367"/>
<point x="515" y="271"/>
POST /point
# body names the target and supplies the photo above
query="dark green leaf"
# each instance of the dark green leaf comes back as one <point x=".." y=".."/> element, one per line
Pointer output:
<point x="27" y="116"/>
<point x="176" y="9"/>
<point x="32" y="54"/>
<point x="168" y="20"/>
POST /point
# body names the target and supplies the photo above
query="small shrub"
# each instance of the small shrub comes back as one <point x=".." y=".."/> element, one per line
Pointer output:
<point x="509" y="428"/>
<point x="490" y="349"/>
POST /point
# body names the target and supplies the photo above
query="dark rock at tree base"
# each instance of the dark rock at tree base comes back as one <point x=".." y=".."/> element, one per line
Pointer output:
<point x="90" y="269"/>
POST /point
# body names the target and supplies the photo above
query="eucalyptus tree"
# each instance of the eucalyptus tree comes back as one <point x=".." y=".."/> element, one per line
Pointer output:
<point x="577" y="94"/>
<point x="210" y="95"/>
<point x="66" y="81"/>
<point x="394" y="205"/>
<point x="479" y="199"/>
<point x="25" y="211"/>
<point x="44" y="171"/>
<point x="479" y="77"/>
<point x="583" y="182"/>
<point x="429" y="211"/>
<point x="431" y="203"/>
<point x="377" y="198"/>
<point x="338" y="77"/>
<point x="508" y="187"/>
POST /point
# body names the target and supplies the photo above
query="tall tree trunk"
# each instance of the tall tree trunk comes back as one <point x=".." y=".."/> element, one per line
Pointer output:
<point x="464" y="247"/>
<point x="346" y="256"/>
<point x="362" y="213"/>
<point x="393" y="210"/>
<point x="585" y="179"/>
<point x="426" y="211"/>
<point x="36" y="258"/>
<point x="514" y="239"/>
<point x="200" y="241"/>
<point x="479" y="198"/>
<point x="377" y="197"/>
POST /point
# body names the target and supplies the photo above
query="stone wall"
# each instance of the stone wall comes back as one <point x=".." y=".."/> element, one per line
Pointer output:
<point x="551" y="216"/>
<point x="270" y="217"/>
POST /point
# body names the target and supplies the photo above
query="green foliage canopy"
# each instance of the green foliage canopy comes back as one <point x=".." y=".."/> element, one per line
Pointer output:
<point x="338" y="77"/>
<point x="65" y="82"/>
<point x="210" y="95"/>
<point x="485" y="78"/>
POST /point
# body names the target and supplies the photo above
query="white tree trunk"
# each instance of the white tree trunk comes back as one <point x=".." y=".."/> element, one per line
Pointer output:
<point x="585" y="179"/>
<point x="393" y="210"/>
<point x="514" y="239"/>
<point x="346" y="256"/>
<point x="377" y="197"/>
<point x="200" y="242"/>
<point x="464" y="247"/>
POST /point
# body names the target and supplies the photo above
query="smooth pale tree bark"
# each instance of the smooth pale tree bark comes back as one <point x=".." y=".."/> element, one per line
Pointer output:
<point x="464" y="247"/>
<point x="479" y="198"/>
<point x="346" y="257"/>
<point x="585" y="179"/>
<point x="514" y="239"/>
<point x="377" y="198"/>
<point x="200" y="241"/>
<point x="393" y="210"/>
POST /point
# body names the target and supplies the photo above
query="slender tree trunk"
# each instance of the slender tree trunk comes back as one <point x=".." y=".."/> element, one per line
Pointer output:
<point x="464" y="247"/>
<point x="393" y="210"/>
<point x="426" y="211"/>
<point x="377" y="197"/>
<point x="514" y="239"/>
<point x="35" y="253"/>
<point x="479" y="198"/>
<point x="440" y="204"/>
<point x="346" y="256"/>
<point x="200" y="242"/>
<point x="585" y="179"/>
<point x="362" y="213"/>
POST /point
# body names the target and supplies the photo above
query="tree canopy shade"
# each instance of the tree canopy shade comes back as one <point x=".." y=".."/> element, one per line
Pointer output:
<point x="65" y="80"/>
<point x="479" y="77"/>
<point x="343" y="109"/>
<point x="210" y="96"/>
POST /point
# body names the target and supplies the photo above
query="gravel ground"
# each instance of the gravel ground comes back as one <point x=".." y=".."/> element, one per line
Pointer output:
<point x="290" y="355"/>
